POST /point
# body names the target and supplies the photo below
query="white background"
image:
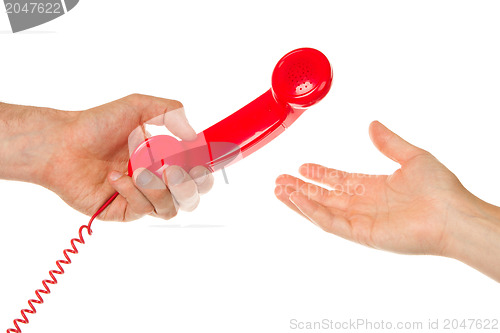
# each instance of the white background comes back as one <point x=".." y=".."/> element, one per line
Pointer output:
<point x="243" y="262"/>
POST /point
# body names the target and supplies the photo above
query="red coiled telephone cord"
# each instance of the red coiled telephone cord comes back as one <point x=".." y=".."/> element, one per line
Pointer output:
<point x="60" y="270"/>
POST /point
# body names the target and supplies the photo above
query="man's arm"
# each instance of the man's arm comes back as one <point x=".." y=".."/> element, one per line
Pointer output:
<point x="28" y="137"/>
<point x="83" y="156"/>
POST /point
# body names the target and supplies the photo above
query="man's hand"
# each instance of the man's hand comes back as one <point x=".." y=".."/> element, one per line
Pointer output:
<point x="83" y="157"/>
<point x="422" y="208"/>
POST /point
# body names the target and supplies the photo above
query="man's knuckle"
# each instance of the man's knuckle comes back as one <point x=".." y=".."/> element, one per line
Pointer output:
<point x="135" y="96"/>
<point x="175" y="104"/>
<point x="145" y="209"/>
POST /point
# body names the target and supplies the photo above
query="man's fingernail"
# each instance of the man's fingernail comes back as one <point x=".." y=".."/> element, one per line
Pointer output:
<point x="144" y="178"/>
<point x="174" y="176"/>
<point x="115" y="175"/>
<point x="199" y="180"/>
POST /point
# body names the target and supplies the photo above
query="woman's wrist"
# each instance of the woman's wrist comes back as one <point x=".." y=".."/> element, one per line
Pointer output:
<point x="475" y="238"/>
<point x="29" y="136"/>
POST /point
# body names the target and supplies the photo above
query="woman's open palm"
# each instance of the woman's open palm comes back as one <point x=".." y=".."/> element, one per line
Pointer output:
<point x="407" y="212"/>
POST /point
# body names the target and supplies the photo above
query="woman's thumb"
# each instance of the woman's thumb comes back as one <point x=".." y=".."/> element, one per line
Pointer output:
<point x="391" y="145"/>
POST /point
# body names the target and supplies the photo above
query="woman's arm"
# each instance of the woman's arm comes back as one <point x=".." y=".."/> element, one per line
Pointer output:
<point x="476" y="240"/>
<point x="422" y="208"/>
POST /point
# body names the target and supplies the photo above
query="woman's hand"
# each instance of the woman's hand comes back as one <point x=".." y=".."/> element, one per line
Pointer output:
<point x="422" y="208"/>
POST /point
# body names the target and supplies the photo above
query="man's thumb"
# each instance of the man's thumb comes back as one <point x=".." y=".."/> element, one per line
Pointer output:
<point x="163" y="112"/>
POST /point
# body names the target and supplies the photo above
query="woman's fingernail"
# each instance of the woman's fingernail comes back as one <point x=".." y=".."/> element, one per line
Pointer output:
<point x="294" y="197"/>
<point x="144" y="178"/>
<point x="115" y="175"/>
<point x="174" y="176"/>
<point x="279" y="179"/>
<point x="199" y="180"/>
<point x="304" y="169"/>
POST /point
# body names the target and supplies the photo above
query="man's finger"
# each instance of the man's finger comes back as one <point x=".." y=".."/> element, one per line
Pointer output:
<point x="182" y="187"/>
<point x="138" y="203"/>
<point x="163" y="112"/>
<point x="155" y="190"/>
<point x="203" y="179"/>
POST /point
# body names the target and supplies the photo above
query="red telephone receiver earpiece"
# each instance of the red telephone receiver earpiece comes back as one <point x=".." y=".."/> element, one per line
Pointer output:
<point x="300" y="79"/>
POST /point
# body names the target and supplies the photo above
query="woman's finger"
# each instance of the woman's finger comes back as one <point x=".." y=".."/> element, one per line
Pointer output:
<point x="283" y="193"/>
<point x="339" y="181"/>
<point x="332" y="199"/>
<point x="322" y="216"/>
<point x="289" y="181"/>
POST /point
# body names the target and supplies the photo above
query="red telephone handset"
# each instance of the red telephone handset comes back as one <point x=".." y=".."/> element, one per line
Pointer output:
<point x="300" y="79"/>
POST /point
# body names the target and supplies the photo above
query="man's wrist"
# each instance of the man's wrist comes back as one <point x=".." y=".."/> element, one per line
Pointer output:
<point x="29" y="136"/>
